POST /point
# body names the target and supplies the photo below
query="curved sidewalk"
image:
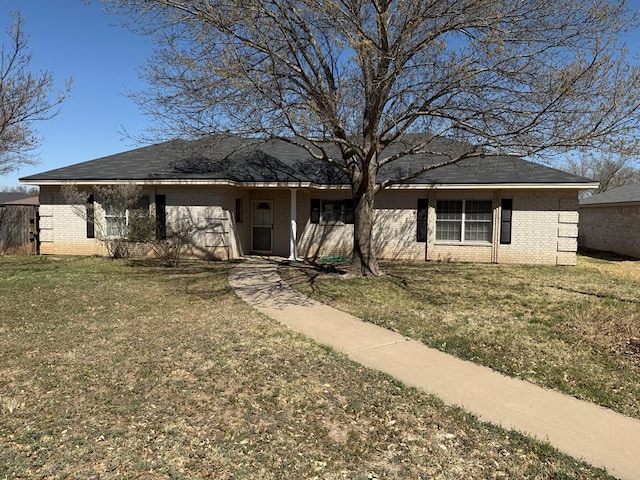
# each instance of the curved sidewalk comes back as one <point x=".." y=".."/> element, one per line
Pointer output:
<point x="599" y="436"/>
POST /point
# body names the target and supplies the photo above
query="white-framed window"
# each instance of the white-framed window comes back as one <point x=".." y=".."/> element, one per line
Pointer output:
<point x="464" y="220"/>
<point x="117" y="218"/>
<point x="115" y="221"/>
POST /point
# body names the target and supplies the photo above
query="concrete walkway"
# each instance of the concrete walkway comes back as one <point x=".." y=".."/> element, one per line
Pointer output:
<point x="599" y="436"/>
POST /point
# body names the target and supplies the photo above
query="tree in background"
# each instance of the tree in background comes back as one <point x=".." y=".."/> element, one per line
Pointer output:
<point x="25" y="98"/>
<point x="515" y="77"/>
<point x="34" y="191"/>
<point x="611" y="169"/>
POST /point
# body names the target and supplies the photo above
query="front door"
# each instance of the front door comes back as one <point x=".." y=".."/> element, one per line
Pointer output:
<point x="262" y="230"/>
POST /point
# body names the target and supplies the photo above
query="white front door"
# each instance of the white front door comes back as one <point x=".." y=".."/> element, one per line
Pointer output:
<point x="262" y="226"/>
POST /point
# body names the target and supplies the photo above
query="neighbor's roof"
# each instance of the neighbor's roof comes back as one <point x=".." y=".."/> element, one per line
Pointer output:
<point x="625" y="194"/>
<point x="17" y="198"/>
<point x="246" y="161"/>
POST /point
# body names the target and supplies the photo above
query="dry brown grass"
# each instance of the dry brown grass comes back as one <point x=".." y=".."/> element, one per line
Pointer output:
<point x="622" y="268"/>
<point x="112" y="370"/>
<point x="573" y="329"/>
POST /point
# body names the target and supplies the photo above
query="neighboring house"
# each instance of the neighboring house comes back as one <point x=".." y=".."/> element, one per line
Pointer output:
<point x="17" y="198"/>
<point x="610" y="221"/>
<point x="18" y="223"/>
<point x="269" y="197"/>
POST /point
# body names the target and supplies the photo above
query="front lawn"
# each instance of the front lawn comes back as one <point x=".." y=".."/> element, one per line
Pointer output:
<point x="111" y="369"/>
<point x="574" y="329"/>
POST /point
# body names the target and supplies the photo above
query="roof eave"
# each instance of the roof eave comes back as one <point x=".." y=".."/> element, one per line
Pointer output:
<point x="232" y="183"/>
<point x="610" y="204"/>
<point x="181" y="182"/>
<point x="502" y="186"/>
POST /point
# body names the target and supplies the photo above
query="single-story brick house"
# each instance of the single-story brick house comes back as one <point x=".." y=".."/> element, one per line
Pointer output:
<point x="610" y="221"/>
<point x="269" y="197"/>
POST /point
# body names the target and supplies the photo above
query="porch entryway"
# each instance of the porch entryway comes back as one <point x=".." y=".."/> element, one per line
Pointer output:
<point x="262" y="226"/>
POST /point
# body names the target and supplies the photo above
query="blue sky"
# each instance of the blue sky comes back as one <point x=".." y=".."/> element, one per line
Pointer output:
<point x="73" y="39"/>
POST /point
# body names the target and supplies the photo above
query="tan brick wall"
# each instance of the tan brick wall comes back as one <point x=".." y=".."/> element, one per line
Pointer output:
<point x="394" y="235"/>
<point x="544" y="224"/>
<point x="611" y="229"/>
<point x="62" y="230"/>
<point x="281" y="220"/>
<point x="73" y="248"/>
<point x="396" y="225"/>
<point x="455" y="251"/>
<point x="544" y="227"/>
<point x="320" y="240"/>
<point x="210" y="212"/>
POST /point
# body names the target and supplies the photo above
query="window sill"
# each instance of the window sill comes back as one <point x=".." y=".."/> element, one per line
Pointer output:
<point x="333" y="224"/>
<point x="463" y="244"/>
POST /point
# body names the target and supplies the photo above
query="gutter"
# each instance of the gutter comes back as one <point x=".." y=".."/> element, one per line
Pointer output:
<point x="610" y="204"/>
<point x="315" y="186"/>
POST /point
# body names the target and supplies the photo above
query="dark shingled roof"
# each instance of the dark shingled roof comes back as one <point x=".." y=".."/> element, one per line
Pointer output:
<point x="12" y="197"/>
<point x="253" y="160"/>
<point x="626" y="194"/>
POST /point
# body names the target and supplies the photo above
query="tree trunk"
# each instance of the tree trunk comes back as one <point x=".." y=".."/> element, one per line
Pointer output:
<point x="364" y="261"/>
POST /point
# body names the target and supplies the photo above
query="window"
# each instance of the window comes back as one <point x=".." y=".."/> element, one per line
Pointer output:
<point x="478" y="216"/>
<point x="464" y="220"/>
<point x="117" y="218"/>
<point x="449" y="220"/>
<point x="331" y="211"/>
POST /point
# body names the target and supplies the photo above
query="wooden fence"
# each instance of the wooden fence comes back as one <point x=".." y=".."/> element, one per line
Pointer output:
<point x="19" y="230"/>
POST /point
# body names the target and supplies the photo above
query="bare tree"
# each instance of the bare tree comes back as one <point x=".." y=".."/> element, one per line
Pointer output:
<point x="117" y="204"/>
<point x="25" y="98"/>
<point x="167" y="245"/>
<point x="518" y="77"/>
<point x="610" y="169"/>
<point x="121" y="223"/>
<point x="34" y="191"/>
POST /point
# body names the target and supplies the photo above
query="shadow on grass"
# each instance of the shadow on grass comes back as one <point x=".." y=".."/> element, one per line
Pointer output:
<point x="184" y="267"/>
<point x="205" y="279"/>
<point x="596" y="294"/>
<point x="606" y="256"/>
<point x="309" y="272"/>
